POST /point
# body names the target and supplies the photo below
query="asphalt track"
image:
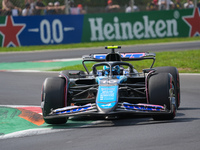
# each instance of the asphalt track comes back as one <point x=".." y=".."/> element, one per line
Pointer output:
<point x="131" y="132"/>
<point x="78" y="53"/>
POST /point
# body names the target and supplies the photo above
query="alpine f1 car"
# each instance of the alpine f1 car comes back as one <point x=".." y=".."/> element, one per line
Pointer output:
<point x="113" y="87"/>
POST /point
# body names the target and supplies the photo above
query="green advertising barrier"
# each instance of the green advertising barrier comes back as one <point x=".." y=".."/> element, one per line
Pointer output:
<point x="65" y="29"/>
<point x="141" y="25"/>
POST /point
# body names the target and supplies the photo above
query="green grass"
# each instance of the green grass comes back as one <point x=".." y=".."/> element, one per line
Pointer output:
<point x="186" y="61"/>
<point x="95" y="44"/>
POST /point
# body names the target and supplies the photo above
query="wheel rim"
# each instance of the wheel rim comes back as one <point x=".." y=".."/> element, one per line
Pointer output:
<point x="172" y="97"/>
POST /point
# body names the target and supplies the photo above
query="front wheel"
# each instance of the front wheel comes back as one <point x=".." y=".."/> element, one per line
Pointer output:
<point x="162" y="92"/>
<point x="53" y="97"/>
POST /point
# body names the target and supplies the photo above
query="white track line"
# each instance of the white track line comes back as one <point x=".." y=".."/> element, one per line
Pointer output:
<point x="58" y="60"/>
<point x="29" y="71"/>
<point x="15" y="106"/>
<point x="31" y="132"/>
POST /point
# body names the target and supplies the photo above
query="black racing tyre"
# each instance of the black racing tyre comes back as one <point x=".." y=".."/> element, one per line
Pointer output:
<point x="74" y="73"/>
<point x="161" y="89"/>
<point x="174" y="72"/>
<point x="53" y="97"/>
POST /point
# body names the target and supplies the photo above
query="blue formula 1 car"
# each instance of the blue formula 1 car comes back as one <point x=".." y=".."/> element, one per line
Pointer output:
<point x="113" y="87"/>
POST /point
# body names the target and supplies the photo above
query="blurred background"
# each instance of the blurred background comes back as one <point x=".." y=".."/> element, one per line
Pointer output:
<point x="99" y="6"/>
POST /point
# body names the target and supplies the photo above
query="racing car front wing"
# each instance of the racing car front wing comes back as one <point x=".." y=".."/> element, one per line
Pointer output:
<point x="91" y="109"/>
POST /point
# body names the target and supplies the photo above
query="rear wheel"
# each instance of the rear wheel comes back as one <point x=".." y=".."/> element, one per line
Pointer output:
<point x="53" y="97"/>
<point x="174" y="72"/>
<point x="161" y="92"/>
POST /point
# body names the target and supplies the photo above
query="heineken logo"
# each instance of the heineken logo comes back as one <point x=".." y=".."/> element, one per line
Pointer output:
<point x="117" y="30"/>
<point x="138" y="26"/>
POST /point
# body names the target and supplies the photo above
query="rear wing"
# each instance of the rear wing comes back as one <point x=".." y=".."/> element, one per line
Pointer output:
<point x="127" y="56"/>
<point x="116" y="56"/>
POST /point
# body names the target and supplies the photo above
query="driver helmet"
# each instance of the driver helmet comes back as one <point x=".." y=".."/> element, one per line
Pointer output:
<point x="115" y="70"/>
<point x="106" y="70"/>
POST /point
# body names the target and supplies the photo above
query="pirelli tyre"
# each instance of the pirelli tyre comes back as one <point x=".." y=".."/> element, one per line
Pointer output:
<point x="161" y="92"/>
<point x="53" y="97"/>
<point x="174" y="72"/>
<point x="73" y="73"/>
